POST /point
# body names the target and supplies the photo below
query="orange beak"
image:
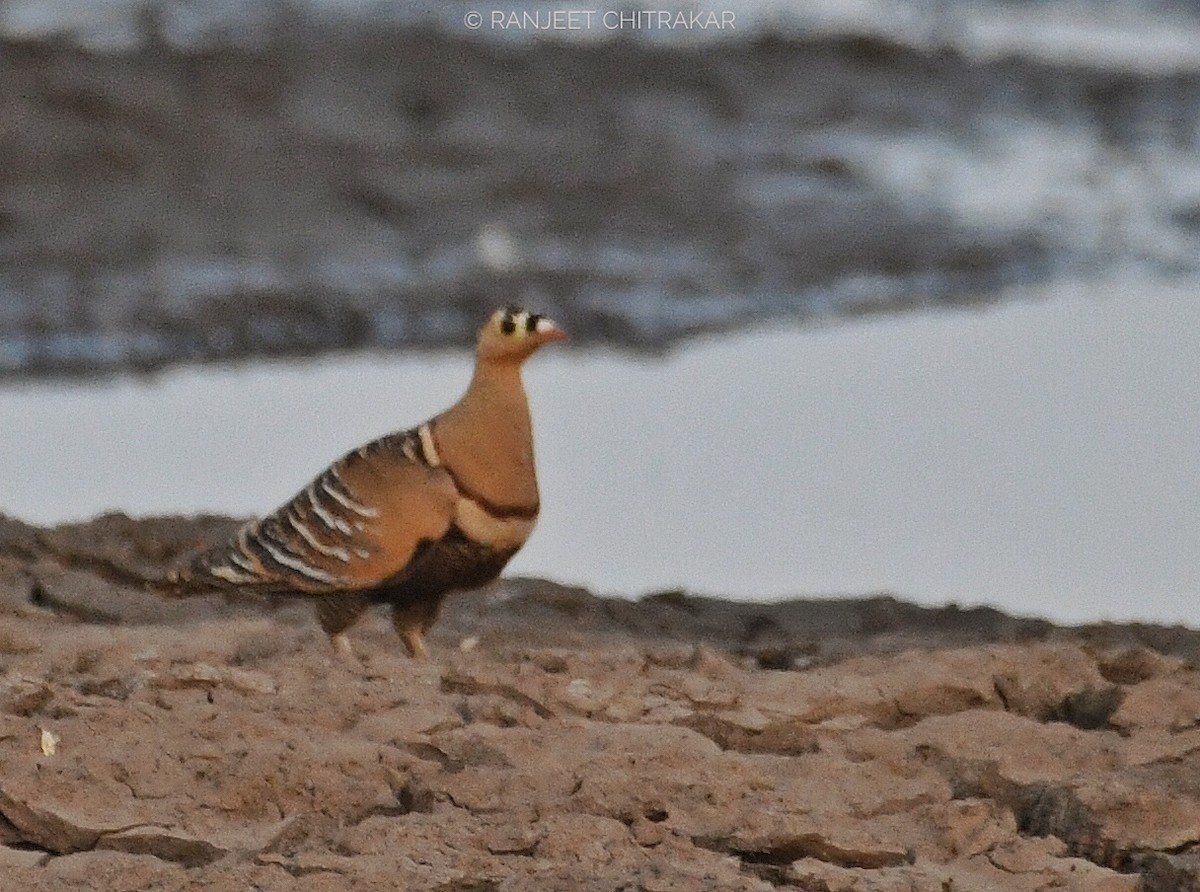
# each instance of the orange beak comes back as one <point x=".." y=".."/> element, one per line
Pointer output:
<point x="549" y="331"/>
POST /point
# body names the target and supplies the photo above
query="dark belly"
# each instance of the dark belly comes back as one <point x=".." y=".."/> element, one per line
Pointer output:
<point x="453" y="563"/>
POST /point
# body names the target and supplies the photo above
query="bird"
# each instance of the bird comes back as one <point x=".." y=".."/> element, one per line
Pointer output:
<point x="407" y="518"/>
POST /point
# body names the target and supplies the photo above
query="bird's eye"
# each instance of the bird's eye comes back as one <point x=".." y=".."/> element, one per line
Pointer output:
<point x="515" y="322"/>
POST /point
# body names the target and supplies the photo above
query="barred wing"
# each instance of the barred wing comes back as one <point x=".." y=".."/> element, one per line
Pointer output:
<point x="355" y="526"/>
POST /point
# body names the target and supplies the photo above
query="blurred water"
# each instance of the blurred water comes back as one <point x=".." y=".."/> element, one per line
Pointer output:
<point x="1149" y="35"/>
<point x="196" y="186"/>
<point x="1039" y="456"/>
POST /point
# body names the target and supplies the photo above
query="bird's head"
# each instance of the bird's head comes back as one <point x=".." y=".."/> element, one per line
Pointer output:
<point x="514" y="334"/>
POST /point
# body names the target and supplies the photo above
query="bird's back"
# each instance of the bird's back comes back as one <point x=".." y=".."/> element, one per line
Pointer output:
<point x="356" y="525"/>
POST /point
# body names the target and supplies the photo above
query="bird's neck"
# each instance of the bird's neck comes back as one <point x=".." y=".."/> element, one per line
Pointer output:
<point x="495" y="384"/>
<point x="486" y="438"/>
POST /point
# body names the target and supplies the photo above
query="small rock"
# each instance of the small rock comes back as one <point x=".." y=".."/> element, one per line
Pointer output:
<point x="703" y="692"/>
<point x="474" y="678"/>
<point x="783" y="846"/>
<point x="107" y="869"/>
<point x="1162" y="870"/>
<point x="1091" y="708"/>
<point x="747" y="718"/>
<point x="582" y="697"/>
<point x="292" y="833"/>
<point x="1162" y="702"/>
<point x="624" y="710"/>
<point x="1136" y="664"/>
<point x="12" y="643"/>
<point x="647" y="833"/>
<point x="320" y="862"/>
<point x="1027" y="855"/>
<point x="10" y="857"/>
<point x="114" y="688"/>
<point x="709" y="662"/>
<point x="24" y="696"/>
<point x="657" y="709"/>
<point x="1034" y="698"/>
<point x="590" y="840"/>
<point x="165" y="844"/>
<point x="57" y="830"/>
<point x="552" y="660"/>
<point x="658" y="884"/>
<point x="513" y="840"/>
<point x="409" y="721"/>
<point x="49" y="742"/>
<point x="976" y="826"/>
<point x="204" y="675"/>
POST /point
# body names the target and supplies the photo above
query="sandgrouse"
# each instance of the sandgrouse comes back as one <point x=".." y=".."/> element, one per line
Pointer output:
<point x="409" y="517"/>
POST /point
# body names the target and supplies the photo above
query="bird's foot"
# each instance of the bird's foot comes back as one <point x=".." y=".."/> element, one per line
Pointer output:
<point x="343" y="650"/>
<point x="344" y="655"/>
<point x="414" y="643"/>
<point x="348" y="659"/>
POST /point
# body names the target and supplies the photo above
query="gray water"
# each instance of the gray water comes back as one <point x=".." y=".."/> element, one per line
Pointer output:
<point x="198" y="182"/>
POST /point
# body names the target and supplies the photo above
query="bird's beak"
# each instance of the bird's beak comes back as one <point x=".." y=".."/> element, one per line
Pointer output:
<point x="549" y="331"/>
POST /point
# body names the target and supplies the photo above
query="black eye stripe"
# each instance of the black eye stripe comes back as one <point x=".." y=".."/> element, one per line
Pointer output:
<point x="514" y="316"/>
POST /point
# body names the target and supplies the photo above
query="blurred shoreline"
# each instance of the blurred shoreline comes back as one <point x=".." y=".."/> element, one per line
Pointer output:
<point x="334" y="182"/>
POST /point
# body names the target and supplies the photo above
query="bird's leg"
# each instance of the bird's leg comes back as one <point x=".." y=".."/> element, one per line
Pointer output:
<point x="411" y="621"/>
<point x="336" y="613"/>
<point x="407" y="622"/>
<point x="414" y="643"/>
<point x="343" y="649"/>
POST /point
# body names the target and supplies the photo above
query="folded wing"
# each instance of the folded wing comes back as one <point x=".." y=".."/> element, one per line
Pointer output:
<point x="357" y="525"/>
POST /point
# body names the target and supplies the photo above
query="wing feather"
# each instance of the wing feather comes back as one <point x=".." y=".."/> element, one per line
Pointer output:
<point x="358" y="524"/>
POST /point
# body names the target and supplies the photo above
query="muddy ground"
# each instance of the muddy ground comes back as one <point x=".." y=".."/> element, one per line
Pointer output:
<point x="558" y="740"/>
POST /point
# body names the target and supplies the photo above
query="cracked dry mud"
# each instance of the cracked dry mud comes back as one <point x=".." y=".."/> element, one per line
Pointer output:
<point x="561" y="741"/>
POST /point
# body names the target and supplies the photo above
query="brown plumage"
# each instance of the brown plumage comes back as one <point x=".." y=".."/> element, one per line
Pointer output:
<point x="406" y="518"/>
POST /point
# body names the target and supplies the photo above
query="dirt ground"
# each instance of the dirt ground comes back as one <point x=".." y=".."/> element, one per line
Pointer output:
<point x="557" y="740"/>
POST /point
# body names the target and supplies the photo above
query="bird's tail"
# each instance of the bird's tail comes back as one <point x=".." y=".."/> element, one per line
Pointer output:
<point x="201" y="574"/>
<point x="222" y="569"/>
